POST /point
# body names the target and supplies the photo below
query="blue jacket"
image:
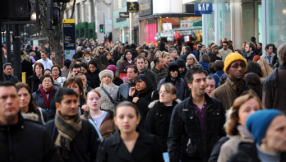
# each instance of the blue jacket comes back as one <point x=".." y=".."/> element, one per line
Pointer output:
<point x="217" y="77"/>
<point x="205" y="65"/>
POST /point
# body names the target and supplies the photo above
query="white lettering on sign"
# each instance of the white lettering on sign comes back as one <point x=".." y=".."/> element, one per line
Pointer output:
<point x="203" y="7"/>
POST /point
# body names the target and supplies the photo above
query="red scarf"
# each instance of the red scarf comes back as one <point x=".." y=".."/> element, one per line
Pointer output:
<point x="44" y="94"/>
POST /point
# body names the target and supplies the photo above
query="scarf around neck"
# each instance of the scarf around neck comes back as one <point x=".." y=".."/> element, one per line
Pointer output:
<point x="44" y="94"/>
<point x="68" y="129"/>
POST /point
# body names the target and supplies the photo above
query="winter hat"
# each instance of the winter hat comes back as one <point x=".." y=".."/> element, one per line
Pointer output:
<point x="112" y="68"/>
<point x="231" y="58"/>
<point x="181" y="63"/>
<point x="151" y="45"/>
<point x="106" y="72"/>
<point x="258" y="123"/>
<point x="172" y="66"/>
<point x="256" y="58"/>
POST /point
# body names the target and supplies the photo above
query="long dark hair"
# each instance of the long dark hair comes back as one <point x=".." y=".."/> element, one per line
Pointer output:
<point x="32" y="105"/>
<point x="253" y="81"/>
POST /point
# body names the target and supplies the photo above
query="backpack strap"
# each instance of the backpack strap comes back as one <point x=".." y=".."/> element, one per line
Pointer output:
<point x="108" y="95"/>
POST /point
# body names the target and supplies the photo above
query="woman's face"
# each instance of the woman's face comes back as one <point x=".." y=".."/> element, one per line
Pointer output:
<point x="86" y="54"/>
<point x="38" y="70"/>
<point x="246" y="109"/>
<point x="140" y="85"/>
<point x="166" y="97"/>
<point x="108" y="56"/>
<point x="106" y="79"/>
<point x="146" y="63"/>
<point x="47" y="83"/>
<point x="128" y="56"/>
<point x="75" y="87"/>
<point x="93" y="101"/>
<point x="190" y="61"/>
<point x="126" y="119"/>
<point x="55" y="71"/>
<point x="92" y="68"/>
<point x="24" y="97"/>
<point x="158" y="54"/>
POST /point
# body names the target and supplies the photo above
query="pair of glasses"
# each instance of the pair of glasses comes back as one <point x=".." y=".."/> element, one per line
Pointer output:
<point x="235" y="66"/>
<point x="101" y="48"/>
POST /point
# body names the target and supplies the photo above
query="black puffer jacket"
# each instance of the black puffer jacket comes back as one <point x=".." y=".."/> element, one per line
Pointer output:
<point x="95" y="78"/>
<point x="39" y="101"/>
<point x="26" y="141"/>
<point x="158" y="121"/>
<point x="186" y="142"/>
<point x="34" y="82"/>
<point x="145" y="97"/>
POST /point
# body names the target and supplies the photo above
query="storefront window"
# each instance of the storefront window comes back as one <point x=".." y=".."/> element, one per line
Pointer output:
<point x="276" y="21"/>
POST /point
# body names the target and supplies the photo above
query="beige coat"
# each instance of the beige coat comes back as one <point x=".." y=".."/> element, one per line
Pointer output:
<point x="224" y="53"/>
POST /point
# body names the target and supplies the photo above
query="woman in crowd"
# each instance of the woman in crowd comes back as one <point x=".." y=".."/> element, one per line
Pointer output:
<point x="107" y="90"/>
<point x="27" y="105"/>
<point x="205" y="62"/>
<point x="93" y="72"/>
<point x="115" y="55"/>
<point x="76" y="84"/>
<point x="159" y="116"/>
<point x="235" y="127"/>
<point x="65" y="69"/>
<point x="255" y="68"/>
<point x="191" y="61"/>
<point x="86" y="56"/>
<point x="106" y="59"/>
<point x="141" y="95"/>
<point x="266" y="69"/>
<point x="128" y="60"/>
<point x="35" y="79"/>
<point x="129" y="143"/>
<point x="102" y="119"/>
<point x="254" y="83"/>
<point x="44" y="97"/>
<point x="57" y="74"/>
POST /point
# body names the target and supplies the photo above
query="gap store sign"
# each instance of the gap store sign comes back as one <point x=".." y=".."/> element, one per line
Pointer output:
<point x="203" y="8"/>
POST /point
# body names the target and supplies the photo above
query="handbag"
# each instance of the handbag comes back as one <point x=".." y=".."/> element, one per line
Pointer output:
<point x="193" y="36"/>
<point x="108" y="95"/>
<point x="177" y="35"/>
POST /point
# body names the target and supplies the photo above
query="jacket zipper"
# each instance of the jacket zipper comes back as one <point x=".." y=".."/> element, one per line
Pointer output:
<point x="10" y="144"/>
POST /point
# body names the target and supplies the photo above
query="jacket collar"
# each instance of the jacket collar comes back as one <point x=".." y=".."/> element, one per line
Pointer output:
<point x="235" y="88"/>
<point x="207" y="98"/>
<point x="19" y="124"/>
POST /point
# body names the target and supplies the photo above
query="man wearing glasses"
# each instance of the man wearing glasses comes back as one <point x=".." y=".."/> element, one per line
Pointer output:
<point x="234" y="66"/>
<point x="225" y="50"/>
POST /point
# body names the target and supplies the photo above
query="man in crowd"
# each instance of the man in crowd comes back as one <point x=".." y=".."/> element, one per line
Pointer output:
<point x="76" y="138"/>
<point x="249" y="51"/>
<point x="269" y="55"/>
<point x="259" y="49"/>
<point x="158" y="69"/>
<point x="203" y="51"/>
<point x="75" y="69"/>
<point x="194" y="129"/>
<point x="234" y="66"/>
<point x="274" y="86"/>
<point x="214" y="54"/>
<point x="26" y="66"/>
<point x="4" y="55"/>
<point x="123" y="90"/>
<point x="173" y="54"/>
<point x="167" y="59"/>
<point x="140" y="63"/>
<point x="173" y="76"/>
<point x="225" y="50"/>
<point x="45" y="60"/>
<point x="268" y="128"/>
<point x="218" y="66"/>
<point x="83" y="78"/>
<point x="210" y="85"/>
<point x="182" y="67"/>
<point x="22" y="140"/>
<point x="7" y="75"/>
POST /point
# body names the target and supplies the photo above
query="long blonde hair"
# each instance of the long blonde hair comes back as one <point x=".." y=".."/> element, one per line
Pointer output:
<point x="266" y="69"/>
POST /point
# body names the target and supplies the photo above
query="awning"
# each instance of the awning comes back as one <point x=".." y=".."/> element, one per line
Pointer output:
<point x="158" y="15"/>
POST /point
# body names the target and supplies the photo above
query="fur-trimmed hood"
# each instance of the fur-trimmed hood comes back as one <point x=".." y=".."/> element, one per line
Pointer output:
<point x="152" y="104"/>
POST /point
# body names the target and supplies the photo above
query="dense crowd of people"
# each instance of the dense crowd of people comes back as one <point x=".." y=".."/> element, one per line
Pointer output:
<point x="119" y="102"/>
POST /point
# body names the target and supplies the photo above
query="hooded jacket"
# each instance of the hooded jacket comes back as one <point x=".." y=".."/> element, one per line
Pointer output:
<point x="95" y="81"/>
<point x="179" y="83"/>
<point x="158" y="120"/>
<point x="145" y="97"/>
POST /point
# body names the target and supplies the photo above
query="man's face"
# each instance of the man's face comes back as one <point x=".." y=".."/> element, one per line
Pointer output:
<point x="243" y="45"/>
<point x="43" y="56"/>
<point x="142" y="54"/>
<point x="258" y="46"/>
<point x="53" y="55"/>
<point x="8" y="70"/>
<point x="9" y="104"/>
<point x="182" y="70"/>
<point x="236" y="70"/>
<point x="270" y="49"/>
<point x="101" y="49"/>
<point x="83" y="70"/>
<point x="203" y="48"/>
<point x="174" y="54"/>
<point x="247" y="48"/>
<point x="140" y="85"/>
<point x="140" y="64"/>
<point x="68" y="106"/>
<point x="131" y="75"/>
<point x="83" y="80"/>
<point x="275" y="137"/>
<point x="174" y="74"/>
<point x="199" y="84"/>
<point x="75" y="71"/>
<point x="210" y="86"/>
<point x="167" y="60"/>
<point x="160" y="64"/>
<point x="225" y="46"/>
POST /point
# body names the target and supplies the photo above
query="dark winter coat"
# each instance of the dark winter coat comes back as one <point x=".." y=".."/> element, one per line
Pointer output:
<point x="248" y="153"/>
<point x="159" y="75"/>
<point x="205" y="65"/>
<point x="11" y="78"/>
<point x="26" y="141"/>
<point x="158" y="121"/>
<point x="145" y="97"/>
<point x="150" y="75"/>
<point x="123" y="91"/>
<point x="27" y="67"/>
<point x="39" y="101"/>
<point x="117" y="81"/>
<point x="146" y="149"/>
<point x="214" y="57"/>
<point x="34" y="82"/>
<point x="217" y="77"/>
<point x="250" y="57"/>
<point x="186" y="142"/>
<point x="216" y="149"/>
<point x="124" y="65"/>
<point x="84" y="146"/>
<point x="95" y="78"/>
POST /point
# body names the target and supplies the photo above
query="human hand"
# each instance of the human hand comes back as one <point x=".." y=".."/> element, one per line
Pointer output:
<point x="135" y="99"/>
<point x="132" y="91"/>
